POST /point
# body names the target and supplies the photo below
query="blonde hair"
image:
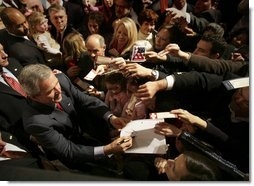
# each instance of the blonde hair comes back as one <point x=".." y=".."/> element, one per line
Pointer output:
<point x="131" y="28"/>
<point x="73" y="45"/>
<point x="34" y="19"/>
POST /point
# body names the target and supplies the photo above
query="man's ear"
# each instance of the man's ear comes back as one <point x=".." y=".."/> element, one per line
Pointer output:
<point x="215" y="56"/>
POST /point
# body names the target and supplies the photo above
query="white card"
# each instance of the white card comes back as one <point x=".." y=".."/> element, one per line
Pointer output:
<point x="91" y="75"/>
<point x="162" y="115"/>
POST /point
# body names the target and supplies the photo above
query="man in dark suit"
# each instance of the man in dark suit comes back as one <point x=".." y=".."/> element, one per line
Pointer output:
<point x="64" y="132"/>
<point x="59" y="19"/>
<point x="15" y="39"/>
<point x="12" y="104"/>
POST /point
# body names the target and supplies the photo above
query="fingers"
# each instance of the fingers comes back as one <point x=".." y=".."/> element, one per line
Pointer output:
<point x="178" y="111"/>
<point x="163" y="52"/>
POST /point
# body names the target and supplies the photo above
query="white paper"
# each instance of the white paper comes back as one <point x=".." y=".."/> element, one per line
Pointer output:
<point x="10" y="147"/>
<point x="236" y="83"/>
<point x="145" y="140"/>
<point x="91" y="75"/>
<point x="162" y="115"/>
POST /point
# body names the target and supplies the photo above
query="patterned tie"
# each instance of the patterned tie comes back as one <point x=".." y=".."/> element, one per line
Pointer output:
<point x="59" y="106"/>
<point x="14" y="84"/>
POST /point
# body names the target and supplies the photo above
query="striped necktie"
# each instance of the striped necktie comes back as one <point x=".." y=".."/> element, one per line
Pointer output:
<point x="14" y="84"/>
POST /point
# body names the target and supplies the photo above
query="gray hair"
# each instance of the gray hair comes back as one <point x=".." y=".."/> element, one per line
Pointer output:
<point x="97" y="36"/>
<point x="31" y="76"/>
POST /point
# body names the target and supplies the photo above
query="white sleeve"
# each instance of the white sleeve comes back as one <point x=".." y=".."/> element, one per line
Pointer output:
<point x="170" y="80"/>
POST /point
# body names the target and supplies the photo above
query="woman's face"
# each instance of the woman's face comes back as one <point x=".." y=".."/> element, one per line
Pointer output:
<point x="147" y="28"/>
<point x="93" y="26"/>
<point x="122" y="35"/>
<point x="240" y="102"/>
<point x="176" y="168"/>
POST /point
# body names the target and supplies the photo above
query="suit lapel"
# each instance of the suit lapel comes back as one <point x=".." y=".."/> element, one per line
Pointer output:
<point x="67" y="104"/>
<point x="8" y="90"/>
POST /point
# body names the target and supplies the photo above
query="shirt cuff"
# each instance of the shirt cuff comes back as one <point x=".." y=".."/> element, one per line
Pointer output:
<point x="187" y="17"/>
<point x="157" y="74"/>
<point x="99" y="152"/>
<point x="170" y="82"/>
<point x="107" y="116"/>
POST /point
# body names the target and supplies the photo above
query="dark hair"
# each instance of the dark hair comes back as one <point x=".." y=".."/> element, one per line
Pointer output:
<point x="218" y="44"/>
<point x="116" y="78"/>
<point x="200" y="168"/>
<point x="175" y="35"/>
<point x="214" y="29"/>
<point x="148" y="15"/>
<point x="97" y="16"/>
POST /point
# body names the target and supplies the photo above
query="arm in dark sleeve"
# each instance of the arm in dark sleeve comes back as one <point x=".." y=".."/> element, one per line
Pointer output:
<point x="216" y="66"/>
<point x="80" y="99"/>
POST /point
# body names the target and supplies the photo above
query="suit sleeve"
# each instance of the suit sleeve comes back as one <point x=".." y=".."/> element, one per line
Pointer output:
<point x="82" y="100"/>
<point x="216" y="66"/>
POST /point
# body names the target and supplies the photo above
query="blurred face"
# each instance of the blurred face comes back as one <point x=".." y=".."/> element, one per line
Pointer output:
<point x="43" y="26"/>
<point x="58" y="19"/>
<point x="122" y="35"/>
<point x="19" y="25"/>
<point x="109" y="3"/>
<point x="121" y="8"/>
<point x="240" y="102"/>
<point x="179" y="4"/>
<point x="53" y="1"/>
<point x="161" y="39"/>
<point x="176" y="169"/>
<point x="202" y="5"/>
<point x="94" y="48"/>
<point x="93" y="26"/>
<point x="113" y="88"/>
<point x="203" y="48"/>
<point x="35" y="5"/>
<point x="147" y="28"/>
<point x="50" y="91"/>
<point x="240" y="40"/>
<point x="3" y="57"/>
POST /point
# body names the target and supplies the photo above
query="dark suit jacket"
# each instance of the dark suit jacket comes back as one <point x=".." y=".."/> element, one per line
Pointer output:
<point x="11" y="101"/>
<point x="25" y="51"/>
<point x="199" y="22"/>
<point x="11" y="107"/>
<point x="59" y="132"/>
<point x="68" y="30"/>
<point x="204" y="64"/>
<point x="75" y="13"/>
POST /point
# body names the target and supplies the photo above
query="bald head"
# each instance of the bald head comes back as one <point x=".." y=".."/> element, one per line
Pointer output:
<point x="14" y="21"/>
<point x="95" y="45"/>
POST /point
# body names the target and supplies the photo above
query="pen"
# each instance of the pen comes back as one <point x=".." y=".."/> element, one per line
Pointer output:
<point x="123" y="141"/>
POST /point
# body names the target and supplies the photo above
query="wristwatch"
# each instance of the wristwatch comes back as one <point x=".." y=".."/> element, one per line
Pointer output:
<point x="154" y="74"/>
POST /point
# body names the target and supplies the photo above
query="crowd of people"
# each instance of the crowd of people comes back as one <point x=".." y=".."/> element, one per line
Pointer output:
<point x="76" y="72"/>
